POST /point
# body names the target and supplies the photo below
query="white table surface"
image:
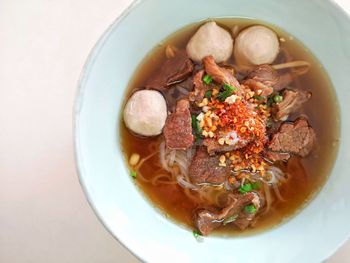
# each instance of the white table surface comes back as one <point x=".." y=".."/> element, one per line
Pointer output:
<point x="44" y="216"/>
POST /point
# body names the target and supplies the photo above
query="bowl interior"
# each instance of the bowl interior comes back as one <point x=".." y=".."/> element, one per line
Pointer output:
<point x="320" y="25"/>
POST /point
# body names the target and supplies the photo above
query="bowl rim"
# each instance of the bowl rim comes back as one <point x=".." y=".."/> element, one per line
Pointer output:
<point x="79" y="97"/>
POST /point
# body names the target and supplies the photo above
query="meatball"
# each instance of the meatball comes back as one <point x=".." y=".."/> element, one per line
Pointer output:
<point x="145" y="112"/>
<point x="210" y="39"/>
<point x="256" y="45"/>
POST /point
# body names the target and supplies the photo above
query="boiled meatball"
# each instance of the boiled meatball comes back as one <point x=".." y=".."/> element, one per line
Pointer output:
<point x="256" y="45"/>
<point x="210" y="39"/>
<point x="145" y="112"/>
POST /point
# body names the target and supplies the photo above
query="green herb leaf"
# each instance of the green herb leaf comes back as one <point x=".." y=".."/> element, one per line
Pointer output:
<point x="245" y="188"/>
<point x="223" y="95"/>
<point x="230" y="219"/>
<point x="277" y="98"/>
<point x="250" y="209"/>
<point x="269" y="101"/>
<point x="207" y="79"/>
<point x="208" y="94"/>
<point x="196" y="234"/>
<point x="229" y="87"/>
<point x="133" y="174"/>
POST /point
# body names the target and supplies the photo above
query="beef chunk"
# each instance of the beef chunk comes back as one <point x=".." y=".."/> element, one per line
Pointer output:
<point x="199" y="87"/>
<point x="207" y="220"/>
<point x="178" y="127"/>
<point x="177" y="92"/>
<point x="206" y="169"/>
<point x="264" y="74"/>
<point x="245" y="219"/>
<point x="173" y="70"/>
<point x="284" y="80"/>
<point x="267" y="79"/>
<point x="276" y="156"/>
<point x="263" y="78"/>
<point x="292" y="101"/>
<point x="220" y="74"/>
<point x="297" y="138"/>
<point x="213" y="146"/>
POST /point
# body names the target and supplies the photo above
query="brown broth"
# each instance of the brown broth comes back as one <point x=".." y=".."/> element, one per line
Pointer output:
<point x="322" y="111"/>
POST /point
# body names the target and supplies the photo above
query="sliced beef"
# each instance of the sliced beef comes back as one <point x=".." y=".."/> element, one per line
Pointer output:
<point x="245" y="219"/>
<point x="276" y="156"/>
<point x="213" y="146"/>
<point x="207" y="220"/>
<point x="264" y="74"/>
<point x="258" y="86"/>
<point x="267" y="79"/>
<point x="263" y="78"/>
<point x="178" y="127"/>
<point x="206" y="169"/>
<point x="177" y="92"/>
<point x="220" y="74"/>
<point x="200" y="87"/>
<point x="292" y="101"/>
<point x="297" y="138"/>
<point x="284" y="80"/>
<point x="173" y="70"/>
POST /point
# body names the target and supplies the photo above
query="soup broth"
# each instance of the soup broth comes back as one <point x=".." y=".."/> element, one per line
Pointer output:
<point x="305" y="175"/>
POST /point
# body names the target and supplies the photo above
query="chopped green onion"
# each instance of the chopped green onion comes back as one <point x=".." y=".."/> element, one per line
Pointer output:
<point x="229" y="87"/>
<point x="256" y="186"/>
<point x="207" y="79"/>
<point x="250" y="209"/>
<point x="270" y="101"/>
<point x="258" y="97"/>
<point x="230" y="219"/>
<point x="223" y="95"/>
<point x="277" y="98"/>
<point x="133" y="174"/>
<point x="196" y="234"/>
<point x="208" y="94"/>
<point x="245" y="188"/>
<point x="195" y="126"/>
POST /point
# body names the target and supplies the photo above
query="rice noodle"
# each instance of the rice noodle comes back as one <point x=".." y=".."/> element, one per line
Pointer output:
<point x="157" y="179"/>
<point x="267" y="198"/>
<point x="141" y="177"/>
<point x="298" y="67"/>
<point x="172" y="156"/>
<point x="277" y="175"/>
<point x="278" y="194"/>
<point x="137" y="167"/>
<point x="185" y="183"/>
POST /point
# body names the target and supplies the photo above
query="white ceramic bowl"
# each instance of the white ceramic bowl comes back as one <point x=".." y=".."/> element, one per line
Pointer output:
<point x="311" y="236"/>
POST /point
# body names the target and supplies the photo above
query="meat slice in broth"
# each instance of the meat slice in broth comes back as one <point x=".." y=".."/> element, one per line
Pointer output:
<point x="213" y="146"/>
<point x="178" y="127"/>
<point x="297" y="138"/>
<point x="276" y="156"/>
<point x="220" y="74"/>
<point x="206" y="169"/>
<point x="263" y="78"/>
<point x="173" y="70"/>
<point x="292" y="101"/>
<point x="206" y="220"/>
<point x="199" y="87"/>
